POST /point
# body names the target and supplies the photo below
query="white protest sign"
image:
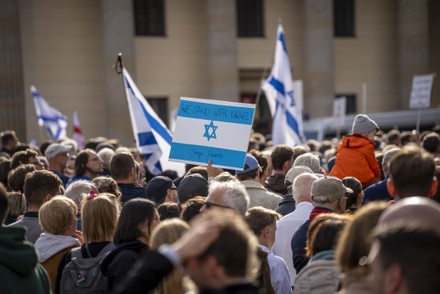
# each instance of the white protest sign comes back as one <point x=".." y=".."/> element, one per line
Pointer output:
<point x="298" y="94"/>
<point x="421" y="91"/>
<point x="339" y="106"/>
<point x="212" y="130"/>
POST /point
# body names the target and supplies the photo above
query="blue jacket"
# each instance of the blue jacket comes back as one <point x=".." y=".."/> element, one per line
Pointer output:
<point x="377" y="192"/>
<point x="130" y="191"/>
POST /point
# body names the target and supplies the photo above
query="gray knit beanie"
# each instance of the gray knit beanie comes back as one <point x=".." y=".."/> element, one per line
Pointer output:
<point x="363" y="124"/>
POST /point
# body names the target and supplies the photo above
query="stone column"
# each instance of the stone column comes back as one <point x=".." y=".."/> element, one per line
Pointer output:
<point x="222" y="48"/>
<point x="413" y="45"/>
<point x="319" y="66"/>
<point x="118" y="36"/>
<point x="12" y="103"/>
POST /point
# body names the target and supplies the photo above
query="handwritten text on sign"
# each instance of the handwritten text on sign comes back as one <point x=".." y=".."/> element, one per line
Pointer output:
<point x="212" y="130"/>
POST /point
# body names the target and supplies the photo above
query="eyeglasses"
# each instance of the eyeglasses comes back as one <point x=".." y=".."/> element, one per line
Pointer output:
<point x="210" y="204"/>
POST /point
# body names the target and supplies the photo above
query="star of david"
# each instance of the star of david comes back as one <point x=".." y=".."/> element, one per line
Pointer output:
<point x="210" y="135"/>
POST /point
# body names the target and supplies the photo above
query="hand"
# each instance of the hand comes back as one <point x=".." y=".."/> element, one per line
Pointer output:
<point x="213" y="171"/>
<point x="196" y="240"/>
<point x="79" y="236"/>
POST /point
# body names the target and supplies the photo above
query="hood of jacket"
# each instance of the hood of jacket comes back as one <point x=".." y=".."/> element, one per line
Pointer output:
<point x="49" y="244"/>
<point x="356" y="141"/>
<point x="16" y="253"/>
<point x="276" y="184"/>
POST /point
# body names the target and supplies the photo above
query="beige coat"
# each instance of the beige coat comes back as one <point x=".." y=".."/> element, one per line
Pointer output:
<point x="318" y="277"/>
<point x="260" y="196"/>
<point x="355" y="282"/>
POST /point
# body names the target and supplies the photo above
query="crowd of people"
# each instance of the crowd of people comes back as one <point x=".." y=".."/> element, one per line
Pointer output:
<point x="355" y="215"/>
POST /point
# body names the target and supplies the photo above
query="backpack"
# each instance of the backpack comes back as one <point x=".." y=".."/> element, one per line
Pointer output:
<point x="82" y="275"/>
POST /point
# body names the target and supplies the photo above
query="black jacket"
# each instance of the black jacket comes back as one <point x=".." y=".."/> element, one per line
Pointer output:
<point x="286" y="206"/>
<point x="275" y="183"/>
<point x="116" y="265"/>
<point x="152" y="267"/>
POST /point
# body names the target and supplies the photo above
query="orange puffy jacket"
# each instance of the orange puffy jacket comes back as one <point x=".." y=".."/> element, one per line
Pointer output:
<point x="355" y="158"/>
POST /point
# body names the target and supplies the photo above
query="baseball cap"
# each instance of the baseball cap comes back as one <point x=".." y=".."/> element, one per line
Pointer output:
<point x="157" y="188"/>
<point x="328" y="189"/>
<point x="55" y="148"/>
<point x="250" y="164"/>
<point x="191" y="186"/>
<point x="294" y="172"/>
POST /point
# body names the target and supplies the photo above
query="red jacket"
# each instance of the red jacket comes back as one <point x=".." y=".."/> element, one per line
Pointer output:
<point x="355" y="158"/>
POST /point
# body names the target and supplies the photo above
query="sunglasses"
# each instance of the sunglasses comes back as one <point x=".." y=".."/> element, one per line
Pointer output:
<point x="210" y="204"/>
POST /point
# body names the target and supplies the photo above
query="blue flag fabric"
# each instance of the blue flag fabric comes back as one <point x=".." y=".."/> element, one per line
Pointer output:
<point x="152" y="136"/>
<point x="287" y="127"/>
<point x="54" y="121"/>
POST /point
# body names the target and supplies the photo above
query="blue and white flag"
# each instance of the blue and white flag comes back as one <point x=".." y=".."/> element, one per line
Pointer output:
<point x="54" y="121"/>
<point x="212" y="130"/>
<point x="287" y="127"/>
<point x="152" y="136"/>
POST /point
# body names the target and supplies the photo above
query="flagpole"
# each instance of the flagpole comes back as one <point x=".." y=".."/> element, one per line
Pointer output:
<point x="263" y="75"/>
<point x="119" y="66"/>
<point x="41" y="133"/>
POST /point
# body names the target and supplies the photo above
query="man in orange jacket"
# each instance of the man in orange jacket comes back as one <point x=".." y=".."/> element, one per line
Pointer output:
<point x="355" y="155"/>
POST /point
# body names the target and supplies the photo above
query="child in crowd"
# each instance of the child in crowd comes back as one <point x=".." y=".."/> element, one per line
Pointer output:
<point x="355" y="155"/>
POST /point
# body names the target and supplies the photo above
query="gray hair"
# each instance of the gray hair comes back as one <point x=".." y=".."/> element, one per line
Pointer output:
<point x="77" y="189"/>
<point x="309" y="160"/>
<point x="106" y="154"/>
<point x="234" y="195"/>
<point x="389" y="154"/>
<point x="302" y="186"/>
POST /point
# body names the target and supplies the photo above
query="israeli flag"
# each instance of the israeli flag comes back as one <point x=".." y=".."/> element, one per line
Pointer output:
<point x="212" y="130"/>
<point x="287" y="127"/>
<point x="152" y="136"/>
<point x="54" y="121"/>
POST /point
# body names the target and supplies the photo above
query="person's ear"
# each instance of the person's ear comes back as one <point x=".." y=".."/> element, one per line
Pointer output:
<point x="384" y="168"/>
<point x="287" y="164"/>
<point x="391" y="189"/>
<point x="266" y="231"/>
<point x="132" y="172"/>
<point x="48" y="197"/>
<point x="342" y="204"/>
<point x="168" y="196"/>
<point x="434" y="187"/>
<point x="212" y="267"/>
<point x="393" y="279"/>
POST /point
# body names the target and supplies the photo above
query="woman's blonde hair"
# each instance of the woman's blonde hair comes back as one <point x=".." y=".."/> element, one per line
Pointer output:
<point x="355" y="241"/>
<point x="57" y="215"/>
<point x="168" y="232"/>
<point x="99" y="217"/>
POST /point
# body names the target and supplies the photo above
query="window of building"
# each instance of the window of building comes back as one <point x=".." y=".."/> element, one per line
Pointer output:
<point x="350" y="106"/>
<point x="343" y="18"/>
<point x="149" y="17"/>
<point x="250" y="18"/>
<point x="160" y="106"/>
